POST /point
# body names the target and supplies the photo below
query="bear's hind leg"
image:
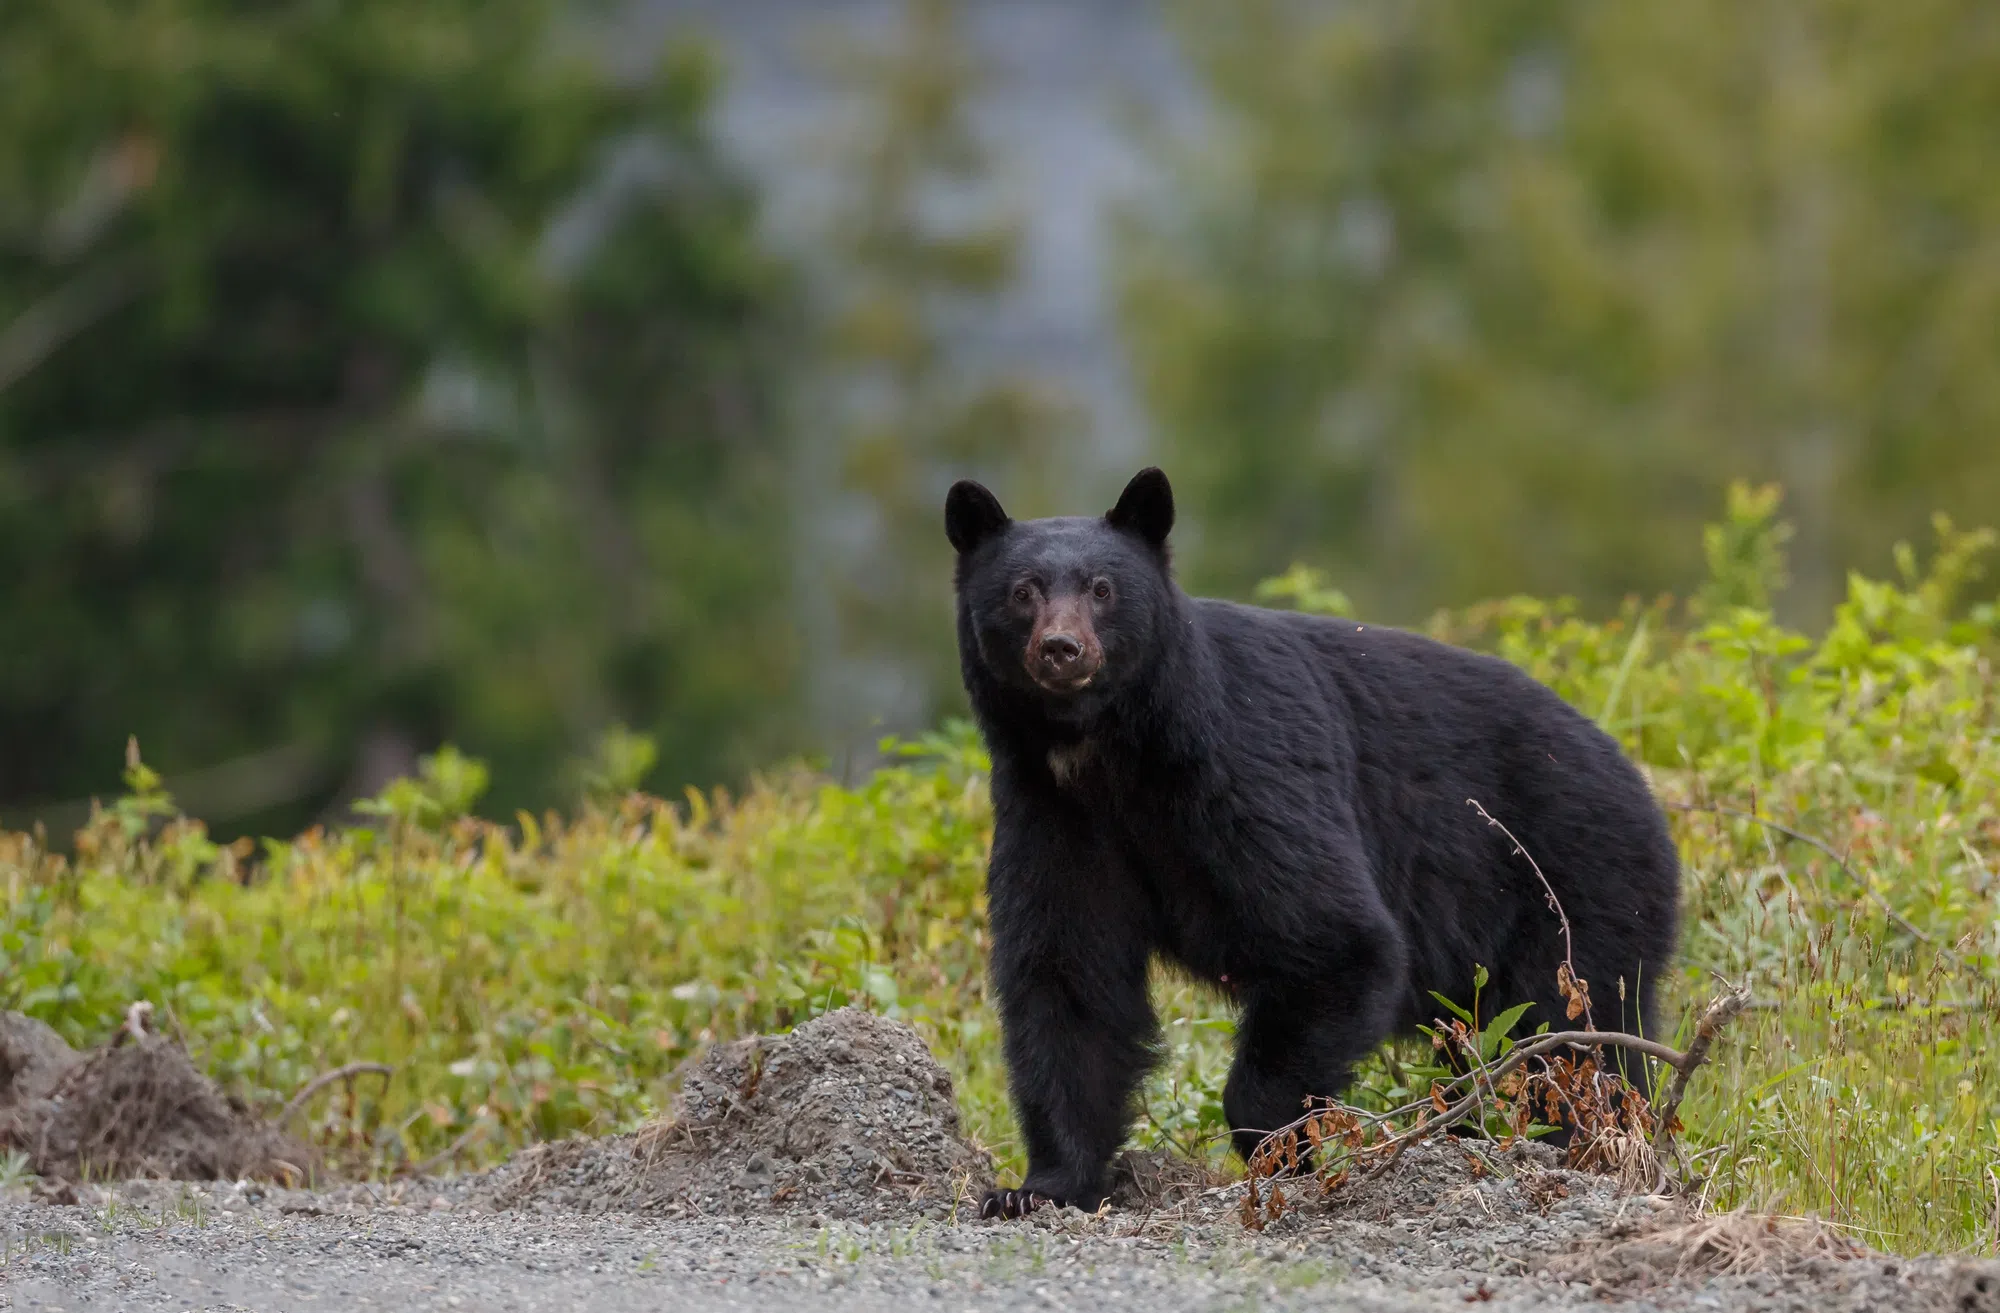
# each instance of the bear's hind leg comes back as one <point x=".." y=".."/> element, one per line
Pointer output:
<point x="1300" y="1043"/>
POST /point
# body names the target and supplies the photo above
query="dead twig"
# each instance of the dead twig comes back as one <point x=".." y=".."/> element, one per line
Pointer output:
<point x="1484" y="1077"/>
<point x="1535" y="1048"/>
<point x="1480" y="1079"/>
<point x="1573" y="986"/>
<point x="326" y="1078"/>
<point x="1713" y="1018"/>
<point x="1614" y="1122"/>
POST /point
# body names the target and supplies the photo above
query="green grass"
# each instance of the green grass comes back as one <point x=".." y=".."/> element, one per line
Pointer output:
<point x="546" y="976"/>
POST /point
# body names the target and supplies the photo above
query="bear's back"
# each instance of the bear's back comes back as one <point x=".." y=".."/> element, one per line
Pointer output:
<point x="1382" y="678"/>
<point x="1421" y="725"/>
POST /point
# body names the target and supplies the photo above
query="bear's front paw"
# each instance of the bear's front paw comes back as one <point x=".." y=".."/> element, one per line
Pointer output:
<point x="1014" y="1203"/>
<point x="1021" y="1202"/>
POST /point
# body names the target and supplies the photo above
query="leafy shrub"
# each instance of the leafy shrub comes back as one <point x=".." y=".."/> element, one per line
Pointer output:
<point x="533" y="979"/>
<point x="1837" y="801"/>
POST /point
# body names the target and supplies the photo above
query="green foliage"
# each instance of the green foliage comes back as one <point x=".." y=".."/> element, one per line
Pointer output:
<point x="372" y="374"/>
<point x="447" y="786"/>
<point x="1746" y="552"/>
<point x="1495" y="1034"/>
<point x="547" y="977"/>
<point x="533" y="980"/>
<point x="14" y="1171"/>
<point x="1463" y="300"/>
<point x="619" y="766"/>
<point x="1303" y="588"/>
<point x="1866" y="1091"/>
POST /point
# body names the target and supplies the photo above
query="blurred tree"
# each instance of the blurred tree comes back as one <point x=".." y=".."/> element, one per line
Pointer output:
<point x="920" y="245"/>
<point x="371" y="374"/>
<point x="1461" y="300"/>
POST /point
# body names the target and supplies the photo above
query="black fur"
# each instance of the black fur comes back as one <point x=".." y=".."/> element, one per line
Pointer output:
<point x="1275" y="803"/>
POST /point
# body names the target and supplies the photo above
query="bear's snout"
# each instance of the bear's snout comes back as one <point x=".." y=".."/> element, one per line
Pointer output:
<point x="1063" y="653"/>
<point x="1059" y="650"/>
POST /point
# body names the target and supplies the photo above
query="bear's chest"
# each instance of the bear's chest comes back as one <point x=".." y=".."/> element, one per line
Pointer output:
<point x="1194" y="925"/>
<point x="1074" y="766"/>
<point x="1144" y="818"/>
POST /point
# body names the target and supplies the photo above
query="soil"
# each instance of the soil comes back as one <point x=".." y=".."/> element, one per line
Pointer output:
<point x="32" y="1059"/>
<point x="135" y="1108"/>
<point x="847" y="1116"/>
<point x="826" y="1169"/>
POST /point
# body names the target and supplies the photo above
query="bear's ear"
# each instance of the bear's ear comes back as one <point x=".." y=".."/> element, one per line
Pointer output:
<point x="1146" y="507"/>
<point x="971" y="515"/>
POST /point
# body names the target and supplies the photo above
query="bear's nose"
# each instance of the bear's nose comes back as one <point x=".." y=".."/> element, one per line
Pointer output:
<point x="1060" y="649"/>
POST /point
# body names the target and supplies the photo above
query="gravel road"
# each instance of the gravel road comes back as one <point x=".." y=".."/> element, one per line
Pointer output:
<point x="825" y="1169"/>
<point x="427" y="1246"/>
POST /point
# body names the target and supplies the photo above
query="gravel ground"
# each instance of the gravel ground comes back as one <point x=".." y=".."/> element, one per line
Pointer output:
<point x="825" y="1170"/>
<point x="431" y="1245"/>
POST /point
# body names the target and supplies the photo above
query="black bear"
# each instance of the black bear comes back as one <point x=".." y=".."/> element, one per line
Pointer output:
<point x="1276" y="803"/>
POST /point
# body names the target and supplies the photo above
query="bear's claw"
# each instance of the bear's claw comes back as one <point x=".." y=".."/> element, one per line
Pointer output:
<point x="1013" y="1203"/>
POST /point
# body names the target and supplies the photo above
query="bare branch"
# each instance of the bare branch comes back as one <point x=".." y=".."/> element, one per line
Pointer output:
<point x="1713" y="1019"/>
<point x="1555" y="905"/>
<point x="326" y="1078"/>
<point x="1485" y="1076"/>
<point x="1471" y="1090"/>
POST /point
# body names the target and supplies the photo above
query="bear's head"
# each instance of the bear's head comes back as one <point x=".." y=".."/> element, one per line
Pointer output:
<point x="1070" y="609"/>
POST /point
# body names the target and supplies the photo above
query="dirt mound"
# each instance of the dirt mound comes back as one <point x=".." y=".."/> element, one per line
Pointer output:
<point x="1816" y="1264"/>
<point x="1727" y="1244"/>
<point x="137" y="1108"/>
<point x="848" y="1116"/>
<point x="32" y="1059"/>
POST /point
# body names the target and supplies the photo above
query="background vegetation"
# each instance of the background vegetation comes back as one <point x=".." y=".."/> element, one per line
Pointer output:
<point x="921" y="241"/>
<point x="534" y="979"/>
<point x="1464" y="303"/>
<point x="381" y="374"/>
<point x="371" y="373"/>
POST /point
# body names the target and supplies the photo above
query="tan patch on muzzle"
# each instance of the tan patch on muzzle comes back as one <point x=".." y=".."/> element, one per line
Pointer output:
<point x="1063" y="652"/>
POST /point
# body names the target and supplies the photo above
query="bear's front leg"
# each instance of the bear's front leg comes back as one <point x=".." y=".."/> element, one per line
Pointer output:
<point x="1070" y="948"/>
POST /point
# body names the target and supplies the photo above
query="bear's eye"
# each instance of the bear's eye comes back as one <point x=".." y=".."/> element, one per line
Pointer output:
<point x="1101" y="589"/>
<point x="1023" y="593"/>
